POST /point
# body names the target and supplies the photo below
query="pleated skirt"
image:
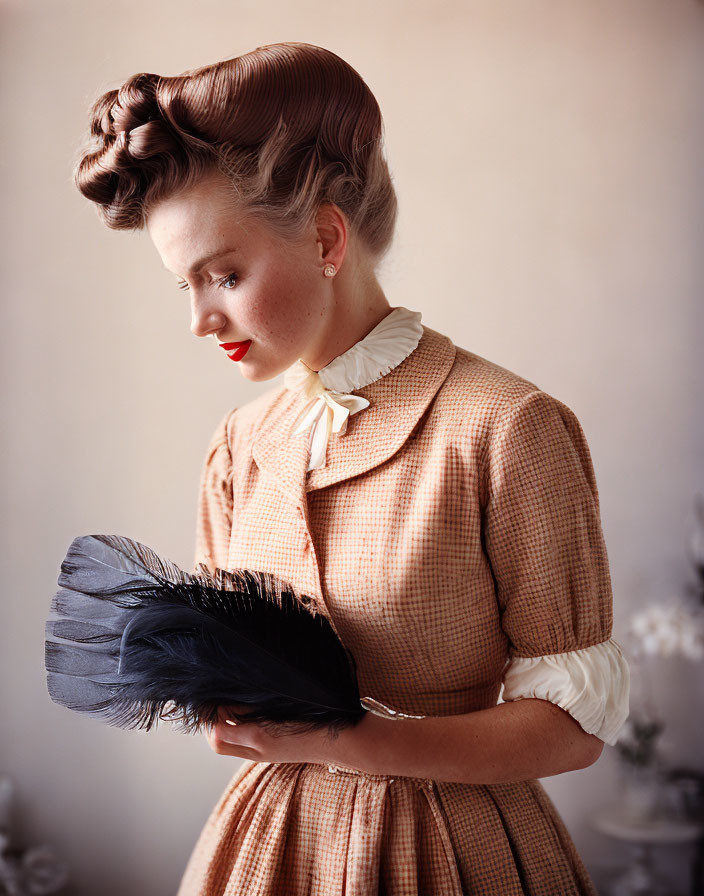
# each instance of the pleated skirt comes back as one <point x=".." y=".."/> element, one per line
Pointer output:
<point x="303" y="829"/>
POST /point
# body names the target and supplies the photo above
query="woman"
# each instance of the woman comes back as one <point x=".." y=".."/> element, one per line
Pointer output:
<point x="441" y="511"/>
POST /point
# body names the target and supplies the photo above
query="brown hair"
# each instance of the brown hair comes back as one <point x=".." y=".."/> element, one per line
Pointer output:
<point x="292" y="125"/>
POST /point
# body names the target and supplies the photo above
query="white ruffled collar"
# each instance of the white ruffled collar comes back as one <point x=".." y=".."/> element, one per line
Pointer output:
<point x="327" y="400"/>
<point x="383" y="348"/>
<point x="376" y="354"/>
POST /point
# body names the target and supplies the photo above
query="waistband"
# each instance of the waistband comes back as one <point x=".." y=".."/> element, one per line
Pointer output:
<point x="426" y="783"/>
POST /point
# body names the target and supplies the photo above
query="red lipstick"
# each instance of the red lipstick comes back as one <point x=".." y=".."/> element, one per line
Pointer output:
<point x="236" y="350"/>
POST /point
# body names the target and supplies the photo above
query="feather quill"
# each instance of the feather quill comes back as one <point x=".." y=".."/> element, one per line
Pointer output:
<point x="131" y="638"/>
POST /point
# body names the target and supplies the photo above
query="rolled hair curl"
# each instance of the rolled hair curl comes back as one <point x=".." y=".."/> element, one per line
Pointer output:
<point x="291" y="125"/>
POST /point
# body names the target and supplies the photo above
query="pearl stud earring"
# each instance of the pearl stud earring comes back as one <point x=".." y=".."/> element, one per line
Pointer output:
<point x="329" y="270"/>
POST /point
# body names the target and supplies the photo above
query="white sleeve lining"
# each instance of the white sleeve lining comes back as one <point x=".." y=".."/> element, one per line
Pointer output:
<point x="592" y="684"/>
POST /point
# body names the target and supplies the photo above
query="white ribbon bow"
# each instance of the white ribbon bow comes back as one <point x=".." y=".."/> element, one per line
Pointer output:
<point x="326" y="409"/>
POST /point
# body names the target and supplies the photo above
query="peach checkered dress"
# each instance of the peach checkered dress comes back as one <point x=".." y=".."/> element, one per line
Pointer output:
<point x="449" y="529"/>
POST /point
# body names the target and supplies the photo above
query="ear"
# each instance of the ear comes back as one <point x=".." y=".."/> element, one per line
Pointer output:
<point x="332" y="229"/>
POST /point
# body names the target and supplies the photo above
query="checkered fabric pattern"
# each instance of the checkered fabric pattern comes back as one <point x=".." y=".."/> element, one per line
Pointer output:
<point x="454" y="525"/>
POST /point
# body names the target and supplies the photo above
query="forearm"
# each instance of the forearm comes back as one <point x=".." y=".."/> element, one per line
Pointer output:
<point x="512" y="741"/>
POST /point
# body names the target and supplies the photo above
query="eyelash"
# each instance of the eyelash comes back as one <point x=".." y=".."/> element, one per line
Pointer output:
<point x="183" y="285"/>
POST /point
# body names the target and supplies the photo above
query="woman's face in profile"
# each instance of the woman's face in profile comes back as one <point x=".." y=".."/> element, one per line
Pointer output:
<point x="244" y="282"/>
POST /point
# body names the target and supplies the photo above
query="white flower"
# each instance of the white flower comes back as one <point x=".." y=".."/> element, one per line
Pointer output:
<point x="666" y="630"/>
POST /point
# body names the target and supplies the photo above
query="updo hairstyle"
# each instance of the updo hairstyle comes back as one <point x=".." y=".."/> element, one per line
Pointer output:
<point x="291" y="125"/>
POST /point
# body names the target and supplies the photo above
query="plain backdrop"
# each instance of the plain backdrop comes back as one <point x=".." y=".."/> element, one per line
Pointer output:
<point x="547" y="159"/>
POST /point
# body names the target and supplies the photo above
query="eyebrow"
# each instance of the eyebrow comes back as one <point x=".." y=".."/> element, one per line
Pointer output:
<point x="201" y="262"/>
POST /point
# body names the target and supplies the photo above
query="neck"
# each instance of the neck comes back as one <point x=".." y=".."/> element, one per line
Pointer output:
<point x="347" y="323"/>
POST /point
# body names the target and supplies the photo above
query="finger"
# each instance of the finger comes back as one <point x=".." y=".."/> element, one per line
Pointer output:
<point x="225" y="712"/>
<point x="230" y="732"/>
<point x="223" y="747"/>
<point x="224" y="717"/>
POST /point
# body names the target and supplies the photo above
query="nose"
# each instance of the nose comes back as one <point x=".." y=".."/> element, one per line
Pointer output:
<point x="205" y="317"/>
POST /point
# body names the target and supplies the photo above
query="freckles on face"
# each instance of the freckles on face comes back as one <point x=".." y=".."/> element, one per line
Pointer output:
<point x="284" y="305"/>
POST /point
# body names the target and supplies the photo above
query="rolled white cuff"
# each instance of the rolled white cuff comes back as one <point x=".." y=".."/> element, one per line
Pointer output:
<point x="592" y="684"/>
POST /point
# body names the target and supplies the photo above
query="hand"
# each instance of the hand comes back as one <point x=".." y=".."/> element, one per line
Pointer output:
<point x="251" y="740"/>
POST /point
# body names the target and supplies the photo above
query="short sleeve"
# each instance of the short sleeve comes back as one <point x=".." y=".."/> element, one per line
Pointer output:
<point x="215" y="500"/>
<point x="544" y="542"/>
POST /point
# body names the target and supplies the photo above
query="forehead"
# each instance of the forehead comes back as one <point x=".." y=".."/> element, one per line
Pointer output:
<point x="201" y="219"/>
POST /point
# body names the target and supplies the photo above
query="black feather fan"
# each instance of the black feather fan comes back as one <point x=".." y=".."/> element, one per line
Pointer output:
<point x="132" y="638"/>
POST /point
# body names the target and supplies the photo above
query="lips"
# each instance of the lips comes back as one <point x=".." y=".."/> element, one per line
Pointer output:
<point x="236" y="350"/>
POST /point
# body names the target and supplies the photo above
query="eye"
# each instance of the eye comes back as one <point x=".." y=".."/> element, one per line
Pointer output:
<point x="183" y="285"/>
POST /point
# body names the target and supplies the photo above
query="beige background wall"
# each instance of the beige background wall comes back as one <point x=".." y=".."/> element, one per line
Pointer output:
<point x="545" y="157"/>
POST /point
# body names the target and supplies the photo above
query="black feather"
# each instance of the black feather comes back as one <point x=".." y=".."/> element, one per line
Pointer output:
<point x="132" y="639"/>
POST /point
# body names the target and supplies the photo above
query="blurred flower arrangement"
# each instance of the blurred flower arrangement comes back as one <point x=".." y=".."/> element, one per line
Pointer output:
<point x="661" y="630"/>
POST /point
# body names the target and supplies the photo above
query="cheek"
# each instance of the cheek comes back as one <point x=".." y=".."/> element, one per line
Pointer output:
<point x="286" y="302"/>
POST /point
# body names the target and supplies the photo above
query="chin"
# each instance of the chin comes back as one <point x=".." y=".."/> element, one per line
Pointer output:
<point x="259" y="375"/>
